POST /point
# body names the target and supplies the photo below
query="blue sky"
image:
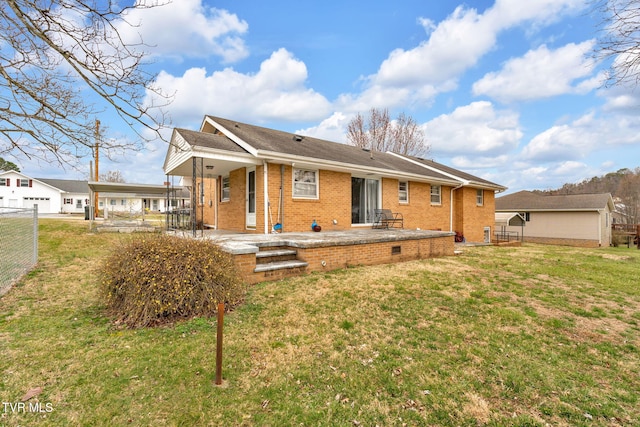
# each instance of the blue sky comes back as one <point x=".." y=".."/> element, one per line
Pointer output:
<point x="507" y="90"/>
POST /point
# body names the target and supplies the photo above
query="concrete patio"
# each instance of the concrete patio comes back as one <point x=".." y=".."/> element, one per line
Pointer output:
<point x="263" y="257"/>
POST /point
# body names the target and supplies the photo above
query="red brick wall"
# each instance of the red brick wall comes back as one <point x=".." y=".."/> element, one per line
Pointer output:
<point x="469" y="218"/>
<point x="419" y="212"/>
<point x="336" y="257"/>
<point x="231" y="214"/>
<point x="583" y="243"/>
<point x="334" y="203"/>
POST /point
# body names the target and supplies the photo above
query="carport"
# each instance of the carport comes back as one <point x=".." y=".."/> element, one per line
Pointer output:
<point x="96" y="187"/>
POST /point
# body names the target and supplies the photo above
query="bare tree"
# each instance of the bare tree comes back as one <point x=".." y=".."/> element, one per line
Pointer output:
<point x="629" y="193"/>
<point x="52" y="55"/>
<point x="112" y="176"/>
<point x="378" y="132"/>
<point x="620" y="39"/>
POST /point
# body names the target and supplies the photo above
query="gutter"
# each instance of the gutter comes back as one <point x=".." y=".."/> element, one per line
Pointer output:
<point x="349" y="167"/>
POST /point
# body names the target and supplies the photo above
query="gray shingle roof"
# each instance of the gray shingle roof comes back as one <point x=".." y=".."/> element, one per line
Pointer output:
<point x="456" y="172"/>
<point x="529" y="201"/>
<point x="67" y="185"/>
<point x="265" y="139"/>
<point x="209" y="140"/>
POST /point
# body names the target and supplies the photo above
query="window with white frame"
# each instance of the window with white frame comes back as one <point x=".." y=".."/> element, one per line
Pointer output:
<point x="403" y="192"/>
<point x="305" y="183"/>
<point x="479" y="197"/>
<point x="436" y="194"/>
<point x="4" y="182"/>
<point x="226" y="189"/>
<point x="24" y="182"/>
<point x="68" y="201"/>
<point x="79" y="203"/>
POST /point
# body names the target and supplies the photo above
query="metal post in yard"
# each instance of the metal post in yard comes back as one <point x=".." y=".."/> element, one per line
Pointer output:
<point x="35" y="234"/>
<point x="219" y="344"/>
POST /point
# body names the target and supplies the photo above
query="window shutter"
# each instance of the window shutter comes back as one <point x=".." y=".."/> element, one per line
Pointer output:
<point x="8" y="179"/>
<point x="30" y="183"/>
<point x="18" y="182"/>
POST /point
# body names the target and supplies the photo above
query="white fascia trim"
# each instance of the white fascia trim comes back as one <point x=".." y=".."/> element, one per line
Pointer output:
<point x="348" y="167"/>
<point x="457" y="178"/>
<point x="229" y="134"/>
<point x="217" y="154"/>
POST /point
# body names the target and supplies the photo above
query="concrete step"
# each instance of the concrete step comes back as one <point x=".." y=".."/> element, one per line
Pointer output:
<point x="275" y="253"/>
<point x="280" y="265"/>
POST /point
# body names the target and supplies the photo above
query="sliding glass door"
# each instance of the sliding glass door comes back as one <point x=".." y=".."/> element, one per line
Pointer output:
<point x="364" y="199"/>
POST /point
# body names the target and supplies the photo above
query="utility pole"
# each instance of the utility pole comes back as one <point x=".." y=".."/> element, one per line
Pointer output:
<point x="97" y="176"/>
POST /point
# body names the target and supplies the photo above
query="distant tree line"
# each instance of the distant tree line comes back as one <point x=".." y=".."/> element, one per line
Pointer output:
<point x="624" y="185"/>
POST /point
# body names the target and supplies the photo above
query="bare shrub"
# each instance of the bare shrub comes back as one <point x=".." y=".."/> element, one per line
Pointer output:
<point x="159" y="279"/>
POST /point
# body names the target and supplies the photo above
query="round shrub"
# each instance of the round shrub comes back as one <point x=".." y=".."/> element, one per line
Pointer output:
<point x="157" y="279"/>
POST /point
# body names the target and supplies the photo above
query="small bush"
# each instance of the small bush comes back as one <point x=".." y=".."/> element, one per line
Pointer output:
<point x="157" y="279"/>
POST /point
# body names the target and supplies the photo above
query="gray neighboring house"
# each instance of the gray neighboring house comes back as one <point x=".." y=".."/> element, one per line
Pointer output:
<point x="575" y="220"/>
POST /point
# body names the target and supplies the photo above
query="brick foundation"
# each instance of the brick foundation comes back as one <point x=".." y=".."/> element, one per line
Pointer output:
<point x="332" y="257"/>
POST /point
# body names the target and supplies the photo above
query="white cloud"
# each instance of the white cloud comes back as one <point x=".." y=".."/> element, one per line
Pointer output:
<point x="479" y="162"/>
<point x="276" y="92"/>
<point x="507" y="13"/>
<point x="187" y="28"/>
<point x="578" y="139"/>
<point x="474" y="129"/>
<point x="542" y="73"/>
<point x="332" y="128"/>
<point x="454" y="45"/>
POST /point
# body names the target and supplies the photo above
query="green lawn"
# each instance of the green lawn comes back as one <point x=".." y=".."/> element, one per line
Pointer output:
<point x="530" y="336"/>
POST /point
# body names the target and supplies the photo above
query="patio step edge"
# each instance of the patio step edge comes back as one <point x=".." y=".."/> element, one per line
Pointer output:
<point x="276" y="252"/>
<point x="279" y="265"/>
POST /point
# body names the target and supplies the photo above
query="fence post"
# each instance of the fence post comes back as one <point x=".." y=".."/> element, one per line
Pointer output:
<point x="35" y="234"/>
<point x="219" y="344"/>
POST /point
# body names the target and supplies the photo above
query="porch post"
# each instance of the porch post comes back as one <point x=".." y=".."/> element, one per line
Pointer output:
<point x="265" y="187"/>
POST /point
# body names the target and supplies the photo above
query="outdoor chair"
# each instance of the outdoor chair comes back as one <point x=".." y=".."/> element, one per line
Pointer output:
<point x="384" y="218"/>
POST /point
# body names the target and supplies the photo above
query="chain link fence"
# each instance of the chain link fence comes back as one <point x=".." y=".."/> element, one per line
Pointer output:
<point x="18" y="244"/>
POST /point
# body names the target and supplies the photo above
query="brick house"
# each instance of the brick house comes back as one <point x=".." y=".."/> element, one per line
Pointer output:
<point x="249" y="179"/>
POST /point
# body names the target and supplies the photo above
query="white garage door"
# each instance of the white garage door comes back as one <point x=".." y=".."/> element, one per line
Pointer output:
<point x="44" y="203"/>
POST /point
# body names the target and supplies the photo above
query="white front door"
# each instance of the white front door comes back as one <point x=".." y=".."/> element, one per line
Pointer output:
<point x="251" y="198"/>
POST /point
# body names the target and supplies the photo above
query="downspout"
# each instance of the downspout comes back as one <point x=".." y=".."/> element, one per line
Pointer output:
<point x="215" y="208"/>
<point x="451" y="206"/>
<point x="265" y="187"/>
<point x="281" y="198"/>
<point x="599" y="227"/>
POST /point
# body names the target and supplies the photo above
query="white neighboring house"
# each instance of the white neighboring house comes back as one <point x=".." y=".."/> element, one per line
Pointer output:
<point x="18" y="190"/>
<point x="71" y="196"/>
<point x="574" y="219"/>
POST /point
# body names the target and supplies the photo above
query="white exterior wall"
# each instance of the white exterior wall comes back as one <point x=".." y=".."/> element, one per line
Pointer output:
<point x="78" y="204"/>
<point x="47" y="198"/>
<point x="568" y="225"/>
<point x="126" y="203"/>
<point x="590" y="225"/>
